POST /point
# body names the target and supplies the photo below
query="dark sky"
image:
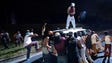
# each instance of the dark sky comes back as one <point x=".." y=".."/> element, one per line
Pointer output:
<point x="51" y="11"/>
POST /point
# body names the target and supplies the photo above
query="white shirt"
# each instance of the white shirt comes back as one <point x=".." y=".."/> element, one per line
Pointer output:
<point x="27" y="40"/>
<point x="107" y="39"/>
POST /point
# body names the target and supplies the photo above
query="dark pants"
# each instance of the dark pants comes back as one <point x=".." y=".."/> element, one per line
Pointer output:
<point x="18" y="43"/>
<point x="53" y="58"/>
<point x="29" y="49"/>
<point x="5" y="43"/>
<point x="46" y="58"/>
<point x="72" y="58"/>
<point x="49" y="58"/>
<point x="107" y="54"/>
<point x="72" y="55"/>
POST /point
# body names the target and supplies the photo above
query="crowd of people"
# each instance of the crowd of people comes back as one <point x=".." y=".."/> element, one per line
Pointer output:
<point x="75" y="47"/>
<point x="5" y="39"/>
<point x="58" y="47"/>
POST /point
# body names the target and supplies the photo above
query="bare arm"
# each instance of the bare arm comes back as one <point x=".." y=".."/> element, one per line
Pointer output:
<point x="68" y="10"/>
<point x="33" y="35"/>
<point x="44" y="28"/>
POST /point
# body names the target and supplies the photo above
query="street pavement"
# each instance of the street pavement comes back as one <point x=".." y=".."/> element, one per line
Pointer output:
<point x="22" y="59"/>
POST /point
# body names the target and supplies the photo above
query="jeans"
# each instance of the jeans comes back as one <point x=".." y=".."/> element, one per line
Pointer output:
<point x="72" y="20"/>
<point x="5" y="44"/>
<point x="62" y="59"/>
<point x="46" y="58"/>
<point x="29" y="49"/>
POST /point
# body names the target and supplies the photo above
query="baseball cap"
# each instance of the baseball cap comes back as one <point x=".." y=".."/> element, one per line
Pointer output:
<point x="72" y="4"/>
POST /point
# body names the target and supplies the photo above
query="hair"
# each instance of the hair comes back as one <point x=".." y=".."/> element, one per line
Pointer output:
<point x="83" y="34"/>
<point x="93" y="32"/>
<point x="106" y="33"/>
<point x="79" y="33"/>
<point x="73" y="4"/>
<point x="50" y="32"/>
<point x="70" y="33"/>
<point x="75" y="35"/>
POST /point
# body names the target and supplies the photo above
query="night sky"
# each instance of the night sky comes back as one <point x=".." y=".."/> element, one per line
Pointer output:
<point x="52" y="11"/>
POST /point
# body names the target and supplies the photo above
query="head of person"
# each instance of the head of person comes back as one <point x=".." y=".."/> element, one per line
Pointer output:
<point x="83" y="34"/>
<point x="93" y="32"/>
<point x="70" y="34"/>
<point x="50" y="33"/>
<point x="89" y="32"/>
<point x="45" y="23"/>
<point x="75" y="35"/>
<point x="79" y="33"/>
<point x="27" y="32"/>
<point x="62" y="34"/>
<point x="57" y="35"/>
<point x="72" y="4"/>
<point x="18" y="32"/>
<point x="105" y="33"/>
<point x="32" y="30"/>
<point x="57" y="38"/>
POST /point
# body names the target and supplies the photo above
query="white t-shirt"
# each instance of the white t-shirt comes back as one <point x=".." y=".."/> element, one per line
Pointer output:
<point x="31" y="33"/>
<point x="107" y="39"/>
<point x="27" y="40"/>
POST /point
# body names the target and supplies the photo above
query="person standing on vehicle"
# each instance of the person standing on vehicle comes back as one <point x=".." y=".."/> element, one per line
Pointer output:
<point x="70" y="18"/>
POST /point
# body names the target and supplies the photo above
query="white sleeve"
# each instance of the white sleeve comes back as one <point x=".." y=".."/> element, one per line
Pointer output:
<point x="78" y="38"/>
